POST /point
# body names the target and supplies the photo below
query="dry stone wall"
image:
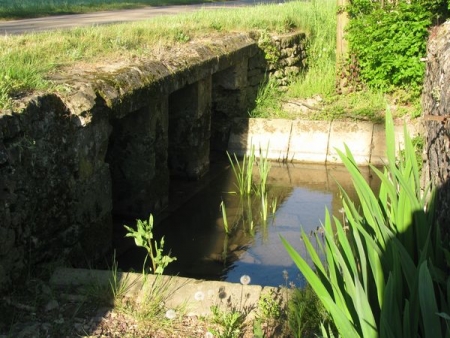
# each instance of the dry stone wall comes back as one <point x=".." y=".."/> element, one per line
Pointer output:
<point x="69" y="162"/>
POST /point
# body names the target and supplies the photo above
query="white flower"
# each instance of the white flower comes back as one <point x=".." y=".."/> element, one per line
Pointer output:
<point x="171" y="314"/>
<point x="199" y="296"/>
<point x="209" y="335"/>
<point x="245" y="279"/>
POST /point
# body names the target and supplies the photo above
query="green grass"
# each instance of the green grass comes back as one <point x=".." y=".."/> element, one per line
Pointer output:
<point x="27" y="60"/>
<point x="19" y="9"/>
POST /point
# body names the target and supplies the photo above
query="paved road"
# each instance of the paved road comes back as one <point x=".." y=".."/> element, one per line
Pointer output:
<point x="107" y="17"/>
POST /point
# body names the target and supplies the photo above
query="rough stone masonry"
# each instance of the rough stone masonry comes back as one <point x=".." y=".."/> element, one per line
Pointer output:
<point x="69" y="162"/>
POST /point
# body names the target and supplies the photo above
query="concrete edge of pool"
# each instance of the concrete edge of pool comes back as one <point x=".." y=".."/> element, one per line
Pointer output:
<point x="316" y="141"/>
<point x="194" y="296"/>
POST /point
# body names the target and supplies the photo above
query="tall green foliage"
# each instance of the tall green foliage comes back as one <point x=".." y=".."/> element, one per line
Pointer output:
<point x="384" y="272"/>
<point x="389" y="43"/>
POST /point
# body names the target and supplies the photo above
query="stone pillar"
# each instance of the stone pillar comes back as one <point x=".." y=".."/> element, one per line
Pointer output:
<point x="138" y="161"/>
<point x="190" y="130"/>
<point x="229" y="101"/>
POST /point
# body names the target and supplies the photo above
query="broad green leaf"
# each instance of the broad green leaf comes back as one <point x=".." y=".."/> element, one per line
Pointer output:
<point x="428" y="305"/>
<point x="345" y="327"/>
<point x="390" y="323"/>
<point x="364" y="310"/>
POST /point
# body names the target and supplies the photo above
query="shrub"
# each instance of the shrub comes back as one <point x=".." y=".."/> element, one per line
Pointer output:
<point x="388" y="44"/>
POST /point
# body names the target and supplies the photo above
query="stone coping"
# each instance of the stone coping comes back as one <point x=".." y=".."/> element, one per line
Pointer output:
<point x="316" y="141"/>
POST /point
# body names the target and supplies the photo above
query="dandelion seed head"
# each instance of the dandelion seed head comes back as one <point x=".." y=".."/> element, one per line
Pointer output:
<point x="171" y="314"/>
<point x="209" y="335"/>
<point x="199" y="296"/>
<point x="245" y="279"/>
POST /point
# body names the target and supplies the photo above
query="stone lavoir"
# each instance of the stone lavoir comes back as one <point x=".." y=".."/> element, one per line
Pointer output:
<point x="109" y="146"/>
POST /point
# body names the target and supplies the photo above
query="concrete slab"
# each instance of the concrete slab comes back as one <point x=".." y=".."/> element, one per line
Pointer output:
<point x="303" y="141"/>
<point x="356" y="135"/>
<point x="184" y="295"/>
<point x="378" y="153"/>
<point x="262" y="133"/>
<point x="309" y="141"/>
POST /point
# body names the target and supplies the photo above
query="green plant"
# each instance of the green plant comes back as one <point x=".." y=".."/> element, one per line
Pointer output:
<point x="388" y="44"/>
<point x="114" y="290"/>
<point x="264" y="169"/>
<point x="149" y="310"/>
<point x="143" y="237"/>
<point x="257" y="329"/>
<point x="119" y="284"/>
<point x="230" y="322"/>
<point x="271" y="52"/>
<point x="385" y="276"/>
<point x="267" y="103"/>
<point x="305" y="313"/>
<point x="243" y="172"/>
<point x="225" y="218"/>
<point x="182" y="37"/>
<point x="269" y="305"/>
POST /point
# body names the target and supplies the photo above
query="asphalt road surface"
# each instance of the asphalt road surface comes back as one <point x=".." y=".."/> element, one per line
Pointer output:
<point x="107" y="17"/>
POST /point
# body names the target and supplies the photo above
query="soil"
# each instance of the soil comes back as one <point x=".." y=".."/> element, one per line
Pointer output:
<point x="42" y="310"/>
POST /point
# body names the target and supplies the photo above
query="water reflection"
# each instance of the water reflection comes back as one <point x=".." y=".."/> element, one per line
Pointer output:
<point x="196" y="235"/>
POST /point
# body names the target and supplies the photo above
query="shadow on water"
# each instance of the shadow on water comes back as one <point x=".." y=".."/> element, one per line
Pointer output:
<point x="194" y="231"/>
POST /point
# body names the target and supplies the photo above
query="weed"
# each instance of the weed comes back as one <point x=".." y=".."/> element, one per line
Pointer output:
<point x="143" y="237"/>
<point x="267" y="102"/>
<point x="119" y="284"/>
<point x="305" y="313"/>
<point x="230" y="322"/>
<point x="269" y="306"/>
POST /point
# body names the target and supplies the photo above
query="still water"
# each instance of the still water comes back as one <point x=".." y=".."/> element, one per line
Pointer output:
<point x="194" y="232"/>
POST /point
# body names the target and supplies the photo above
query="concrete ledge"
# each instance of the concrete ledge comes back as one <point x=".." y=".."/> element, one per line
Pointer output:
<point x="194" y="297"/>
<point x="316" y="141"/>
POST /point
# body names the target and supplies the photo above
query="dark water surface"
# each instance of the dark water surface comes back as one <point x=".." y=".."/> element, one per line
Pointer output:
<point x="195" y="233"/>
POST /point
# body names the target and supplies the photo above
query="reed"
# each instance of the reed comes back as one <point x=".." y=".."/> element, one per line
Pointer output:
<point x="225" y="218"/>
<point x="243" y="172"/>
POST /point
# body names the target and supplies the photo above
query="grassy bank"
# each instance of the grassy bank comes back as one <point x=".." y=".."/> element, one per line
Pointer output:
<point x="28" y="59"/>
<point x="19" y="9"/>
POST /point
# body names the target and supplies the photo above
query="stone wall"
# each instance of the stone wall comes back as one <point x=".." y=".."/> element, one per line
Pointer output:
<point x="110" y="144"/>
<point x="436" y="102"/>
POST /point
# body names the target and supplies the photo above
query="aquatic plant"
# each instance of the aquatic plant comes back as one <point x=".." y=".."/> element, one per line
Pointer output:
<point x="243" y="172"/>
<point x="225" y="218"/>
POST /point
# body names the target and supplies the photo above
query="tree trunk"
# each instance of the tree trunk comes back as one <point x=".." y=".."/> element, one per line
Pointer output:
<point x="436" y="102"/>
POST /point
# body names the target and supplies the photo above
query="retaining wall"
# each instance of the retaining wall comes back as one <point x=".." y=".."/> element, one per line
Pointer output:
<point x="111" y="142"/>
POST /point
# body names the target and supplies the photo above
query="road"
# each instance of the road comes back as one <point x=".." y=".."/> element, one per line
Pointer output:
<point x="107" y="17"/>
